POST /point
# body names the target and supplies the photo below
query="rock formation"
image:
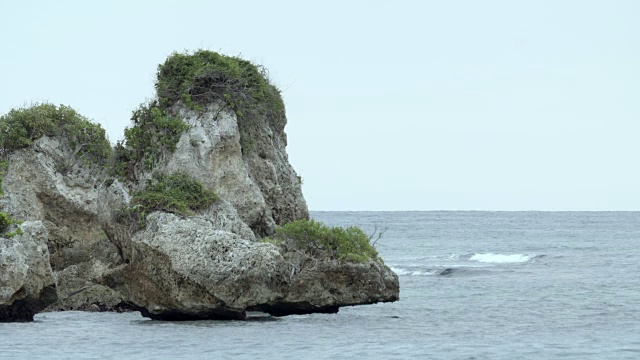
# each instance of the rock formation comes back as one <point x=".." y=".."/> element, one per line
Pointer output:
<point x="45" y="182"/>
<point x="107" y="250"/>
<point x="202" y="267"/>
<point x="27" y="285"/>
<point x="261" y="185"/>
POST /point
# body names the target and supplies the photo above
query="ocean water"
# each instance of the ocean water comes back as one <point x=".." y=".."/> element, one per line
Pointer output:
<point x="474" y="285"/>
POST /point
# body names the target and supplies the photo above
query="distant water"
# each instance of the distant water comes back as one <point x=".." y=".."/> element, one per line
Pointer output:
<point x="474" y="285"/>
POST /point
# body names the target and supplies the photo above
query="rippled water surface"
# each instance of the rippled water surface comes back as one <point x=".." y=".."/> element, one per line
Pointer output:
<point x="474" y="285"/>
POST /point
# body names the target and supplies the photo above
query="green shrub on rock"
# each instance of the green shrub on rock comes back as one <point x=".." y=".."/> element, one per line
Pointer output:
<point x="202" y="77"/>
<point x="5" y="221"/>
<point x="196" y="80"/>
<point x="313" y="237"/>
<point x="154" y="133"/>
<point x="21" y="127"/>
<point x="177" y="193"/>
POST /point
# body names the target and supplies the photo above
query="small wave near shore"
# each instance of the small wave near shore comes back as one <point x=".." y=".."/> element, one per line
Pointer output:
<point x="501" y="258"/>
<point x="469" y="264"/>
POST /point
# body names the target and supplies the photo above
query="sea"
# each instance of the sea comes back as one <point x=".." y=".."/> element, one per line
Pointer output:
<point x="474" y="285"/>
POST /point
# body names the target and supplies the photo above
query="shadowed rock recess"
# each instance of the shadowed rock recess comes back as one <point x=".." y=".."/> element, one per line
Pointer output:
<point x="196" y="214"/>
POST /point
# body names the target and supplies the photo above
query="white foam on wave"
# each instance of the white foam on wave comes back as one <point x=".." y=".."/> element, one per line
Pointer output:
<point x="411" y="272"/>
<point x="500" y="258"/>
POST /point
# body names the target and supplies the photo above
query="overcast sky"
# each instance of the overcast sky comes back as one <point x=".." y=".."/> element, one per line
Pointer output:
<point x="392" y="105"/>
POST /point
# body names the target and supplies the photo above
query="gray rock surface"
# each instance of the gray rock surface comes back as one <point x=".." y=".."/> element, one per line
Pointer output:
<point x="45" y="182"/>
<point x="83" y="288"/>
<point x="260" y="184"/>
<point x="27" y="284"/>
<point x="188" y="268"/>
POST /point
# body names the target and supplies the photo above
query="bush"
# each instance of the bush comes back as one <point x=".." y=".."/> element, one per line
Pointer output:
<point x="153" y="134"/>
<point x="205" y="76"/>
<point x="14" y="233"/>
<point x="310" y="236"/>
<point x="177" y="193"/>
<point x="21" y="127"/>
<point x="5" y="221"/>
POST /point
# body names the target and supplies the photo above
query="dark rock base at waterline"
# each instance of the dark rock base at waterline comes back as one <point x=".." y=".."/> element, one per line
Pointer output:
<point x="180" y="316"/>
<point x="23" y="310"/>
<point x="277" y="310"/>
<point x="285" y="309"/>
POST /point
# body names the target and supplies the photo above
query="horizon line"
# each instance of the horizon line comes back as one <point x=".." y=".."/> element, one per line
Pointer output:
<point x="474" y="210"/>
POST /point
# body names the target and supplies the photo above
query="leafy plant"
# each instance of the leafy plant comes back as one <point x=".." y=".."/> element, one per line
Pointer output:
<point x="154" y="134"/>
<point x="5" y="221"/>
<point x="14" y="233"/>
<point x="177" y="193"/>
<point x="315" y="238"/>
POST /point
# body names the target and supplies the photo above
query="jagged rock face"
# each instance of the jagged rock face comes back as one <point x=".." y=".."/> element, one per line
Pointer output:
<point x="27" y="284"/>
<point x="326" y="285"/>
<point x="261" y="184"/>
<point x="83" y="287"/>
<point x="202" y="266"/>
<point x="188" y="268"/>
<point x="221" y="215"/>
<point x="269" y="167"/>
<point x="45" y="182"/>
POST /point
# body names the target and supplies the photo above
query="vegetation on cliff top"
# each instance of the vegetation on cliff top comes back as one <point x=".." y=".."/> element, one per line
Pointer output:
<point x="21" y="127"/>
<point x="317" y="239"/>
<point x="197" y="79"/>
<point x="203" y="77"/>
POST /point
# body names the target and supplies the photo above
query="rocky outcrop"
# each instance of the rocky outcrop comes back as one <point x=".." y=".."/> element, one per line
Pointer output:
<point x="208" y="265"/>
<point x="46" y="182"/>
<point x="108" y="252"/>
<point x="260" y="183"/>
<point x="189" y="268"/>
<point x="27" y="284"/>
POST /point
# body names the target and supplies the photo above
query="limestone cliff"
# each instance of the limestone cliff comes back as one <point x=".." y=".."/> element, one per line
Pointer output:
<point x="205" y="266"/>
<point x="261" y="184"/>
<point x="115" y="244"/>
<point x="45" y="182"/>
<point x="27" y="284"/>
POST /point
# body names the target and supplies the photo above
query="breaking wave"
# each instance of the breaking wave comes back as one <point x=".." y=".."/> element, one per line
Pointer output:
<point x="501" y="258"/>
<point x="462" y="264"/>
<point x="450" y="271"/>
<point x="413" y="272"/>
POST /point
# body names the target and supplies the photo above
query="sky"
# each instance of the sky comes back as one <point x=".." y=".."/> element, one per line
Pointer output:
<point x="391" y="105"/>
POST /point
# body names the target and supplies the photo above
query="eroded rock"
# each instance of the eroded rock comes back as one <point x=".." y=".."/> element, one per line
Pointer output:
<point x="260" y="183"/>
<point x="187" y="268"/>
<point x="176" y="265"/>
<point x="46" y="182"/>
<point x="27" y="284"/>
